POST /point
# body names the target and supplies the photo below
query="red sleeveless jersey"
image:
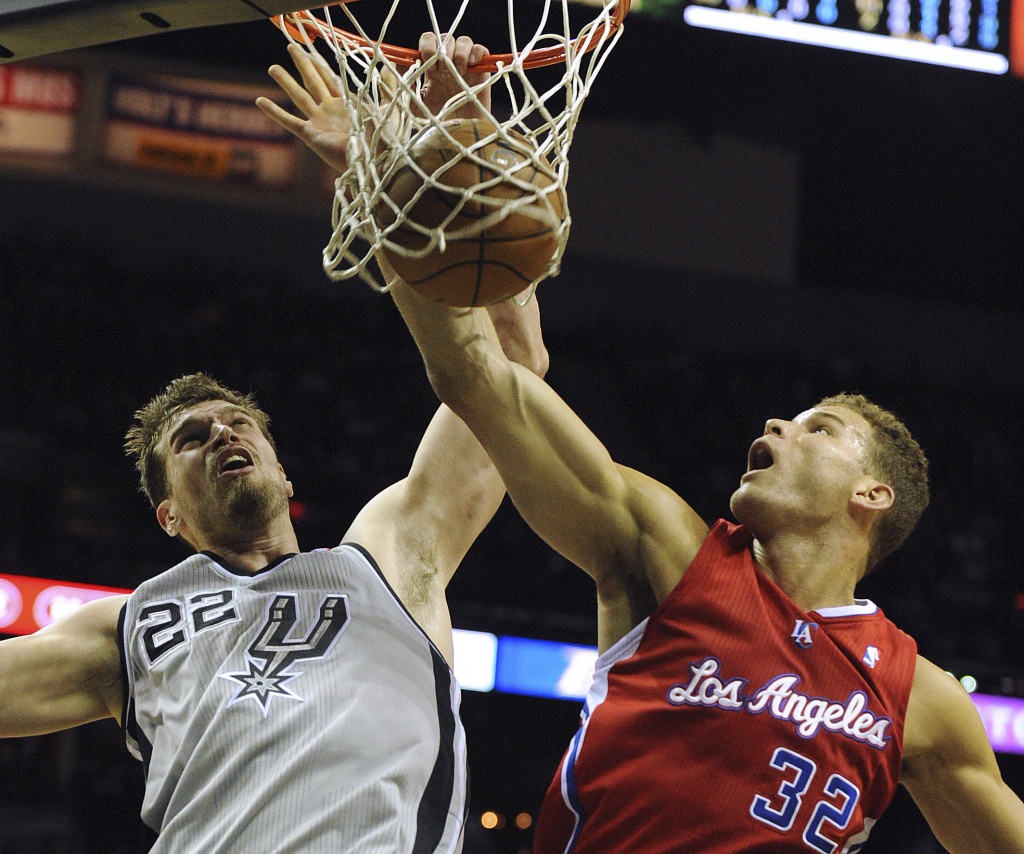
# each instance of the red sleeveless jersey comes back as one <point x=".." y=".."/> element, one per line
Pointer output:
<point x="732" y="721"/>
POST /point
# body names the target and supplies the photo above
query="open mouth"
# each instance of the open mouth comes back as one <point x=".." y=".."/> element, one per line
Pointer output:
<point x="760" y="457"/>
<point x="235" y="460"/>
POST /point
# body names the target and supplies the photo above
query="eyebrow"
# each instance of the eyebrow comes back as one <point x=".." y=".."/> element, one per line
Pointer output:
<point x="193" y="420"/>
<point x="821" y="413"/>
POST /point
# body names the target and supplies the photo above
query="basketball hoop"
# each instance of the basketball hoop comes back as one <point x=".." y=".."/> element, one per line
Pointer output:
<point x="383" y="85"/>
<point x="298" y="25"/>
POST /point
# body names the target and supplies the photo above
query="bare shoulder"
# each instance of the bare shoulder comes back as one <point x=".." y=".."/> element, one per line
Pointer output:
<point x="938" y="703"/>
<point x="97" y="619"/>
<point x="951" y="772"/>
<point x="90" y="633"/>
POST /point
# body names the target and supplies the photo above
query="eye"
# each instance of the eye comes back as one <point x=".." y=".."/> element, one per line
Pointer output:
<point x="823" y="429"/>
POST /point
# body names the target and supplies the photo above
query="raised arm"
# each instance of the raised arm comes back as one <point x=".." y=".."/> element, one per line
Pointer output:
<point x="610" y="521"/>
<point x="64" y="675"/>
<point x="951" y="772"/>
<point x="420" y="528"/>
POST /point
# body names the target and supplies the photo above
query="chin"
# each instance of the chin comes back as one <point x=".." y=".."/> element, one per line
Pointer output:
<point x="748" y="508"/>
<point x="738" y="502"/>
<point x="256" y="505"/>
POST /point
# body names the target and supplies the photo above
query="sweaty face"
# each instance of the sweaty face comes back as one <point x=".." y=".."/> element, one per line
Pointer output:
<point x="803" y="472"/>
<point x="222" y="473"/>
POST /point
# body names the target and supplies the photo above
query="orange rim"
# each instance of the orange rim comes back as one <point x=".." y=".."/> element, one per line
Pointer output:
<point x="300" y="25"/>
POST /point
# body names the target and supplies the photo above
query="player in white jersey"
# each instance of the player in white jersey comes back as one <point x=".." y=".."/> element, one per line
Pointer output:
<point x="280" y="701"/>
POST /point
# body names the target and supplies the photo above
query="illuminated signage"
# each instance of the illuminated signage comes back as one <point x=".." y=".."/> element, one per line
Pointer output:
<point x="29" y="604"/>
<point x="198" y="128"/>
<point x="38" y="110"/>
<point x="979" y="35"/>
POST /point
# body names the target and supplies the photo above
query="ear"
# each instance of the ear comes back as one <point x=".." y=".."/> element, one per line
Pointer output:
<point x="289" y="490"/>
<point x="166" y="517"/>
<point x="874" y="495"/>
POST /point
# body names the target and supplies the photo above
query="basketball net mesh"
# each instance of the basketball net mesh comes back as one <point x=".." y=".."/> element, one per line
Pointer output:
<point x="382" y="93"/>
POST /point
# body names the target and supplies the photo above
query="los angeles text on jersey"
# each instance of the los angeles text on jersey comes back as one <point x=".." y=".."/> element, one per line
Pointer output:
<point x="779" y="697"/>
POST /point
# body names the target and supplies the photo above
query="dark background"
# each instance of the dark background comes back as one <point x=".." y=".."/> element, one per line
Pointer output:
<point x="905" y="285"/>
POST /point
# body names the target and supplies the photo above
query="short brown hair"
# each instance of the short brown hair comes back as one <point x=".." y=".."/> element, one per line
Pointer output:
<point x="896" y="459"/>
<point x="143" y="438"/>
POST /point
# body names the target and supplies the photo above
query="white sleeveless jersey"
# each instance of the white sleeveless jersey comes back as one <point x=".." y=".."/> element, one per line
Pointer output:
<point x="299" y="709"/>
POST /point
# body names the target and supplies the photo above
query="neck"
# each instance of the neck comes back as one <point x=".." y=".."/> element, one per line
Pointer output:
<point x="252" y="553"/>
<point x="815" y="572"/>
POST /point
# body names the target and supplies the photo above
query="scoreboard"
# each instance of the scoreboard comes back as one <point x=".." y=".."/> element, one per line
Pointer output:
<point x="979" y="35"/>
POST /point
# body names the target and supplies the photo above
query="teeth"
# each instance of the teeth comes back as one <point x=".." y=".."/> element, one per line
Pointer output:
<point x="234" y="458"/>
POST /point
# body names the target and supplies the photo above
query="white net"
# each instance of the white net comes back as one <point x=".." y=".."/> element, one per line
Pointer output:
<point x="537" y="90"/>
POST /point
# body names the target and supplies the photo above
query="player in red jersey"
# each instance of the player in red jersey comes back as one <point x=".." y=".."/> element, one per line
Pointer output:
<point x="761" y="707"/>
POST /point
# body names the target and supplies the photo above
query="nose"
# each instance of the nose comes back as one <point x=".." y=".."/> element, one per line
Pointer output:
<point x="775" y="427"/>
<point x="222" y="434"/>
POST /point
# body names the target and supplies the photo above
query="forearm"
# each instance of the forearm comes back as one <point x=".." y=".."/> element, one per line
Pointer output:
<point x="560" y="477"/>
<point x="975" y="814"/>
<point x="459" y="346"/>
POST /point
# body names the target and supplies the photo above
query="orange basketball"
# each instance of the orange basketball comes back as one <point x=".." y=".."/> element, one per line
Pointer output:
<point x="493" y="264"/>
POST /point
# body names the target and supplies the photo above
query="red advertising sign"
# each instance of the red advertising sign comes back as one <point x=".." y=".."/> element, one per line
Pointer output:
<point x="28" y="604"/>
<point x="38" y="107"/>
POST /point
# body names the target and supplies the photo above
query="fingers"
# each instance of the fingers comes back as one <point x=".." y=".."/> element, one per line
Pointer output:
<point x="427" y="45"/>
<point x="317" y="77"/>
<point x="280" y="115"/>
<point x="476" y="54"/>
<point x="463" y="51"/>
<point x="460" y="52"/>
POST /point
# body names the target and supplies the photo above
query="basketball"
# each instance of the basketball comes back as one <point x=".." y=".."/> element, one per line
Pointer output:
<point x="491" y="264"/>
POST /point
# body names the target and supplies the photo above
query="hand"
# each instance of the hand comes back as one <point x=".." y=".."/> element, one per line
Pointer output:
<point x="440" y="84"/>
<point x="327" y="125"/>
<point x="518" y="328"/>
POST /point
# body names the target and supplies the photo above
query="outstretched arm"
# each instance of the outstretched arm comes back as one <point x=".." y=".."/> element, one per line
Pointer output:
<point x="64" y="675"/>
<point x="613" y="522"/>
<point x="951" y="772"/>
<point x="420" y="528"/>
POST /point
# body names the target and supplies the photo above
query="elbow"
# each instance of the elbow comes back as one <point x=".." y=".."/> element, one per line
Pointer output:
<point x="445" y="381"/>
<point x="468" y="386"/>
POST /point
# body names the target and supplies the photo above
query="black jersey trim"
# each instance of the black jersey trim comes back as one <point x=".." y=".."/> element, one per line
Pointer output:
<point x="436" y="803"/>
<point x="122" y="655"/>
<point x="129" y="723"/>
<point x="244" y="573"/>
<point x="380" y="573"/>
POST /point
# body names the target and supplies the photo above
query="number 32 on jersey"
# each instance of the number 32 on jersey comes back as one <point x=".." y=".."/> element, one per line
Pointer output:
<point x="798" y="773"/>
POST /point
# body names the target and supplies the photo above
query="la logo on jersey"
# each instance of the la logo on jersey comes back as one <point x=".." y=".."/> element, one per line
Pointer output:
<point x="802" y="634"/>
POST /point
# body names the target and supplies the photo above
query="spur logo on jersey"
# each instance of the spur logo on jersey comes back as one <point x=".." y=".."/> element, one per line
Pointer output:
<point x="271" y="655"/>
<point x="171" y="625"/>
<point x="802" y="634"/>
<point x="781" y="699"/>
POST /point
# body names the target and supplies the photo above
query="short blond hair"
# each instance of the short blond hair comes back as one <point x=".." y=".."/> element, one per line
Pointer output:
<point x="896" y="459"/>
